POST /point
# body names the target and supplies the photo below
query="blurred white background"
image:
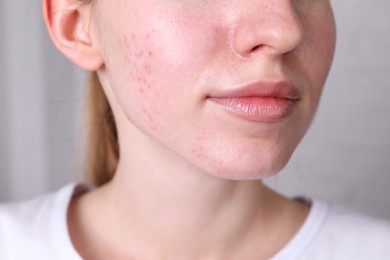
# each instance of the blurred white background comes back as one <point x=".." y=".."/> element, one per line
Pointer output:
<point x="344" y="158"/>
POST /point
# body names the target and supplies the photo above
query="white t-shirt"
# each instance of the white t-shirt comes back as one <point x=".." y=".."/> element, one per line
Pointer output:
<point x="37" y="229"/>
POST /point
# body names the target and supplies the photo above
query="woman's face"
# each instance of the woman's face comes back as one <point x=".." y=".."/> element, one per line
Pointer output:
<point x="230" y="86"/>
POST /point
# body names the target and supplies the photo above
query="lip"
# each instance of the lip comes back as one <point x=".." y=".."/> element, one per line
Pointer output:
<point x="259" y="101"/>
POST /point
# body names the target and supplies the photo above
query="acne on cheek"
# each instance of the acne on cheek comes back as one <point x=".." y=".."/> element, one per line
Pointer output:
<point x="139" y="60"/>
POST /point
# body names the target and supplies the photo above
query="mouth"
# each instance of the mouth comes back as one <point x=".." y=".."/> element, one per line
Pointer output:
<point x="259" y="101"/>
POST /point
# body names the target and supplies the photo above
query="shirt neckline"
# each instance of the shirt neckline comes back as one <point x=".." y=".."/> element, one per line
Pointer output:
<point x="293" y="250"/>
<point x="59" y="220"/>
<point x="307" y="233"/>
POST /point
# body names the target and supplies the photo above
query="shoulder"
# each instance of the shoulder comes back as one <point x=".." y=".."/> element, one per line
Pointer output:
<point x="29" y="228"/>
<point x="342" y="219"/>
<point x="346" y="234"/>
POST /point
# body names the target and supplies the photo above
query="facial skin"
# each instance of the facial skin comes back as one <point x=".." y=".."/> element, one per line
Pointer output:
<point x="160" y="63"/>
<point x="164" y="58"/>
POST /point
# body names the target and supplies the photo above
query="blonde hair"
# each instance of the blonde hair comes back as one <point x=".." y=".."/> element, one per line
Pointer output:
<point x="102" y="146"/>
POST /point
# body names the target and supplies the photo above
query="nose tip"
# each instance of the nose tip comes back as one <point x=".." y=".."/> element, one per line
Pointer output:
<point x="275" y="28"/>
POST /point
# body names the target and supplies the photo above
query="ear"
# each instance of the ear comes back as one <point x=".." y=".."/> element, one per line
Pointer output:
<point x="68" y="25"/>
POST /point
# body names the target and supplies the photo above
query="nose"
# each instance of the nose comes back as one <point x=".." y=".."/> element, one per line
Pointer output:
<point x="271" y="26"/>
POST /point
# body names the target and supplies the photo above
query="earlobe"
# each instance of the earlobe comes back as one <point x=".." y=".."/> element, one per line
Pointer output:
<point x="68" y="25"/>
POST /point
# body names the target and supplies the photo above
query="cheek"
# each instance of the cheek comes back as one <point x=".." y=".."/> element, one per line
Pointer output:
<point x="137" y="91"/>
<point x="161" y="67"/>
<point x="314" y="56"/>
<point x="138" y="61"/>
<point x="324" y="39"/>
<point x="321" y="36"/>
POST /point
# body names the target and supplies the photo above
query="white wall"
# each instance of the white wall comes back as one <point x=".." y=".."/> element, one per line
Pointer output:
<point x="344" y="158"/>
<point x="38" y="104"/>
<point x="22" y="89"/>
<point x="3" y="114"/>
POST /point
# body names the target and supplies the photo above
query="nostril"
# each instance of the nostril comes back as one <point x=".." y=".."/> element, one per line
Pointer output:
<point x="255" y="48"/>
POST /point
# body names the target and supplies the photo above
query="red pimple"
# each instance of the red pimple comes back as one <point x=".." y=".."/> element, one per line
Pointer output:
<point x="139" y="54"/>
<point x="197" y="152"/>
<point x="126" y="42"/>
<point x="147" y="68"/>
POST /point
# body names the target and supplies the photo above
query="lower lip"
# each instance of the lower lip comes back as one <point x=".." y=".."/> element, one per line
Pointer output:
<point x="258" y="109"/>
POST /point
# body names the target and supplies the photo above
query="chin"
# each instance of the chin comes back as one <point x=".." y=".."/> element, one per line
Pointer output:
<point x="249" y="167"/>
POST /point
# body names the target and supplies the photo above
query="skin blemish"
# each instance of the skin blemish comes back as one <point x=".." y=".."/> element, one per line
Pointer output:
<point x="139" y="60"/>
<point x="147" y="68"/>
<point x="197" y="152"/>
<point x="139" y="54"/>
<point x="126" y="42"/>
<point x="154" y="126"/>
<point x="144" y="81"/>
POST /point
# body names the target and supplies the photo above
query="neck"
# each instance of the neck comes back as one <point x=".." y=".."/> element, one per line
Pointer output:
<point x="179" y="212"/>
<point x="168" y="215"/>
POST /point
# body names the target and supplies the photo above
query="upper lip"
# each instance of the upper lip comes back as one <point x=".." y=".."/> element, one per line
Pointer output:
<point x="261" y="89"/>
